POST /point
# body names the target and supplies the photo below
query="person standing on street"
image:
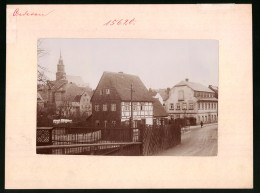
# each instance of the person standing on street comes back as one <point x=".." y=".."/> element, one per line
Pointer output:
<point x="201" y="124"/>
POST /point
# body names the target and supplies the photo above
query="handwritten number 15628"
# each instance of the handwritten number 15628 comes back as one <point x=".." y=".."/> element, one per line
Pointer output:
<point x="120" y="22"/>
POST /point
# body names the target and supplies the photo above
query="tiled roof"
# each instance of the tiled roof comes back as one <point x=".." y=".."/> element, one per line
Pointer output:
<point x="158" y="109"/>
<point x="58" y="84"/>
<point x="72" y="90"/>
<point x="152" y="92"/>
<point x="194" y="86"/>
<point x="122" y="83"/>
<point x="77" y="98"/>
<point x="164" y="94"/>
<point x="214" y="88"/>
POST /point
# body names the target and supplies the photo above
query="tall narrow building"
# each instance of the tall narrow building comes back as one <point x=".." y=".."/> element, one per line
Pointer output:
<point x="60" y="74"/>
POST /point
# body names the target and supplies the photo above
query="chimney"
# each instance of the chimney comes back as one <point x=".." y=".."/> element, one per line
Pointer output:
<point x="187" y="80"/>
<point x="121" y="72"/>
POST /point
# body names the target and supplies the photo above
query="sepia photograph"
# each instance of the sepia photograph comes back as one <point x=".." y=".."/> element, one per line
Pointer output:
<point x="95" y="101"/>
<point x="127" y="97"/>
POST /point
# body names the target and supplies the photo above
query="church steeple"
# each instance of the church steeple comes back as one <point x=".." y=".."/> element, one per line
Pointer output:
<point x="60" y="74"/>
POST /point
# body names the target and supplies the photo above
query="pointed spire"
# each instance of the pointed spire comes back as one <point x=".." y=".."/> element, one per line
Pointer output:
<point x="60" y="53"/>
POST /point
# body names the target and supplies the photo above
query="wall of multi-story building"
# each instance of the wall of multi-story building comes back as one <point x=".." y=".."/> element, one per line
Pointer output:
<point x="207" y="111"/>
<point x="141" y="111"/>
<point x="182" y="103"/>
<point x="106" y="107"/>
<point x="85" y="105"/>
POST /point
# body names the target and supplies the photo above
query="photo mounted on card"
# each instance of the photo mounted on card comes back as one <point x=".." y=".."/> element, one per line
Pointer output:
<point x="129" y="96"/>
<point x="94" y="97"/>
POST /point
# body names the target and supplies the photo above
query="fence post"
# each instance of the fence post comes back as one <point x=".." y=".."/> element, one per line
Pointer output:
<point x="141" y="135"/>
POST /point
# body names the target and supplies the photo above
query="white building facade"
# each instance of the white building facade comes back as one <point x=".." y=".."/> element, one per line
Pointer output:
<point x="192" y="101"/>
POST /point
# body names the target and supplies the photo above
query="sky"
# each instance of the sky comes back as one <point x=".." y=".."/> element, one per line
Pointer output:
<point x="158" y="63"/>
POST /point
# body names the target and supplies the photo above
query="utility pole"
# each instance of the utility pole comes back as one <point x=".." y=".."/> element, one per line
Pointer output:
<point x="131" y="100"/>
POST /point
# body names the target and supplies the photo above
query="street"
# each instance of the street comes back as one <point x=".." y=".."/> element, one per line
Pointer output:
<point x="196" y="142"/>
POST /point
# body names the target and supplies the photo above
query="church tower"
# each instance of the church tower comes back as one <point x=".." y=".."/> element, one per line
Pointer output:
<point x="60" y="74"/>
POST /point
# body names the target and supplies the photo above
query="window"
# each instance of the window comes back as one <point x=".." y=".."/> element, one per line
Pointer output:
<point x="107" y="91"/>
<point x="97" y="123"/>
<point x="178" y="106"/>
<point x="114" y="123"/>
<point x="180" y="95"/>
<point x="206" y="105"/>
<point x="199" y="106"/>
<point x="104" y="107"/>
<point x="134" y="107"/>
<point x="127" y="106"/>
<point x="105" y="123"/>
<point x="172" y="106"/>
<point x="191" y="106"/>
<point x="101" y="92"/>
<point x="211" y="105"/>
<point x="96" y="107"/>
<point x="184" y="106"/>
<point x="113" y="107"/>
<point x="202" y="105"/>
<point x="214" y="105"/>
<point x="142" y="106"/>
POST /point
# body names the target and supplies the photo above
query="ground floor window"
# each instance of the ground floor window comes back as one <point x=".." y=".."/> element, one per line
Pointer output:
<point x="114" y="123"/>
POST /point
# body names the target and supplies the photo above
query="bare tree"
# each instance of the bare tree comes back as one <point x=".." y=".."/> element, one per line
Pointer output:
<point x="41" y="52"/>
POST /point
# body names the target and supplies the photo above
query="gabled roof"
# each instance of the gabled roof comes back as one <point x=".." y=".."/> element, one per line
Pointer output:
<point x="164" y="94"/>
<point x="158" y="109"/>
<point x="152" y="92"/>
<point x="194" y="86"/>
<point x="58" y="84"/>
<point x="121" y="82"/>
<point x="72" y="90"/>
<point x="77" y="98"/>
<point x="214" y="88"/>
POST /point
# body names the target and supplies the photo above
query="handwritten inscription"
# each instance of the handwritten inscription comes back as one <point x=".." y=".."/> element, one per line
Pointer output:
<point x="17" y="12"/>
<point x="120" y="22"/>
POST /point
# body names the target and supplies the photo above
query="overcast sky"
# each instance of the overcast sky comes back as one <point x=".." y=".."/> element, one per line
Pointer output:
<point x="159" y="63"/>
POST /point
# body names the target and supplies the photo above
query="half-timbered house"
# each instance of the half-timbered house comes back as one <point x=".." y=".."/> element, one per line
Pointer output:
<point x="111" y="101"/>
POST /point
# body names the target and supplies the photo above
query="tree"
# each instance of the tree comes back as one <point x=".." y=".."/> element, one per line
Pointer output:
<point x="41" y="52"/>
<point x="64" y="108"/>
